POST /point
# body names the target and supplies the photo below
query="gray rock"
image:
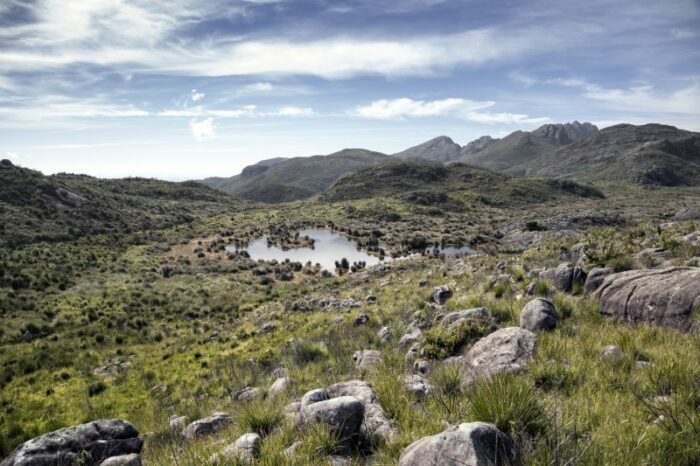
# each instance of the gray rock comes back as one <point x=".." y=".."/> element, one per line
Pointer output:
<point x="440" y="294"/>
<point x="337" y="460"/>
<point x="247" y="394"/>
<point x="176" y="422"/>
<point x="412" y="354"/>
<point x="371" y="299"/>
<point x="421" y="366"/>
<point x="132" y="459"/>
<point x="417" y="385"/>
<point x="207" y="426"/>
<point x="666" y="297"/>
<point x="376" y="424"/>
<point x="291" y="450"/>
<point x="423" y="282"/>
<point x="343" y="415"/>
<point x="469" y="444"/>
<point x="279" y="386"/>
<point x="564" y="276"/>
<point x="360" y="320"/>
<point x="504" y="351"/>
<point x="384" y="334"/>
<point x="102" y="439"/>
<point x="366" y="359"/>
<point x="478" y="314"/>
<point x="612" y="353"/>
<point x="245" y="449"/>
<point x="595" y="279"/>
<point x="410" y="338"/>
<point x="313" y="396"/>
<point x="279" y="371"/>
<point x="539" y="314"/>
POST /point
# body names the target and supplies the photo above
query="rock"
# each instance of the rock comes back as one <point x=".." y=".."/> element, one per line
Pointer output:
<point x="417" y="385"/>
<point x="268" y="327"/>
<point x="343" y="415"/>
<point x="412" y="353"/>
<point x="595" y="279"/>
<point x="469" y="444"/>
<point x="479" y="314"/>
<point x="132" y="459"/>
<point x="279" y="386"/>
<point x="244" y="450"/>
<point x="371" y="299"/>
<point x="247" y="394"/>
<point x="279" y="371"/>
<point x="651" y="257"/>
<point x="504" y="351"/>
<point x="102" y="439"/>
<point x="176" y="422"/>
<point x="612" y="353"/>
<point x="360" y="320"/>
<point x="423" y="282"/>
<point x="410" y="338"/>
<point x="291" y="450"/>
<point x="666" y="297"/>
<point x="376" y="424"/>
<point x="440" y="295"/>
<point x="384" y="334"/>
<point x="539" y="314"/>
<point x="313" y="396"/>
<point x="337" y="460"/>
<point x="207" y="426"/>
<point x="688" y="213"/>
<point x="564" y="276"/>
<point x="366" y="359"/>
<point x="421" y="366"/>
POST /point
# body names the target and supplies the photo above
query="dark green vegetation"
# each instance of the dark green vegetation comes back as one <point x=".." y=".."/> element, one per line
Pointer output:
<point x="126" y="305"/>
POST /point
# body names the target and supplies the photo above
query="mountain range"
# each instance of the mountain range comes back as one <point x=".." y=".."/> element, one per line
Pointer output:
<point x="648" y="155"/>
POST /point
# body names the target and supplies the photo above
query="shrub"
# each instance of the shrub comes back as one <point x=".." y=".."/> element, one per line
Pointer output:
<point x="95" y="388"/>
<point x="441" y="342"/>
<point x="304" y="352"/>
<point x="259" y="417"/>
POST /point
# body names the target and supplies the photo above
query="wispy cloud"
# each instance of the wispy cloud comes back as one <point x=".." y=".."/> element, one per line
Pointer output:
<point x="203" y="130"/>
<point x="405" y="108"/>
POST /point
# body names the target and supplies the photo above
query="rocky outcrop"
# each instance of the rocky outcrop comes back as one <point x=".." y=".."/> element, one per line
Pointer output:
<point x="564" y="276"/>
<point x="479" y="314"/>
<point x="469" y="444"/>
<point x="669" y="297"/>
<point x="504" y="351"/>
<point x="539" y="314"/>
<point x="102" y="439"/>
<point x="595" y="279"/>
<point x="207" y="426"/>
<point x="376" y="424"/>
<point x="343" y="415"/>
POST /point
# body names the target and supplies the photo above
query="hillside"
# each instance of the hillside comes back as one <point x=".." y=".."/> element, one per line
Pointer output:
<point x="281" y="180"/>
<point x="649" y="154"/>
<point x="398" y="177"/>
<point x="513" y="153"/>
<point x="440" y="149"/>
<point x="35" y="207"/>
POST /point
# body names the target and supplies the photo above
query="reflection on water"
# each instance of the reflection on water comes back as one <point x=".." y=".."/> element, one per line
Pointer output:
<point x="328" y="248"/>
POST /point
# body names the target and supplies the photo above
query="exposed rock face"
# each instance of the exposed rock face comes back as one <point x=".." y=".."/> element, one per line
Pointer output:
<point x="667" y="297"/>
<point x="207" y="426"/>
<point x="469" y="444"/>
<point x="477" y="145"/>
<point x="366" y="359"/>
<point x="132" y="459"/>
<point x="376" y="424"/>
<point x="595" y="279"/>
<point x="102" y="439"/>
<point x="564" y="276"/>
<point x="343" y="415"/>
<point x="566" y="133"/>
<point x="539" y="314"/>
<point x="439" y="149"/>
<point x="506" y="350"/>
<point x="440" y="294"/>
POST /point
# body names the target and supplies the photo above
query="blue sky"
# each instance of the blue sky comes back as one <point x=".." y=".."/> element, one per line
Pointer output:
<point x="180" y="89"/>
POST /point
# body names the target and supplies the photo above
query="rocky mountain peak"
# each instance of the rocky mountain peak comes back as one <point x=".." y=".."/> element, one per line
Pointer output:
<point x="565" y="133"/>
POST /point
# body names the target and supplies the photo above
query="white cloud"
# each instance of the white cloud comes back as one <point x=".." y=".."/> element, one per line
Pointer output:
<point x="246" y="111"/>
<point x="57" y="107"/>
<point x="196" y="96"/>
<point x="203" y="130"/>
<point x="522" y="78"/>
<point x="258" y="88"/>
<point x="294" y="112"/>
<point x="404" y="108"/>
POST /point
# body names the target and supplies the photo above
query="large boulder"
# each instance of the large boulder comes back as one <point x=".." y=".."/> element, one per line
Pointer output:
<point x="101" y="439"/>
<point x="564" y="276"/>
<point x="206" y="426"/>
<point x="479" y="314"/>
<point x="469" y="444"/>
<point x="342" y="415"/>
<point x="132" y="459"/>
<point x="668" y="297"/>
<point x="504" y="351"/>
<point x="539" y="314"/>
<point x="376" y="424"/>
<point x="595" y="278"/>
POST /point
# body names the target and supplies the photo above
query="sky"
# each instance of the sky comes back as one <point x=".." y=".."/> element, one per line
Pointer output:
<point x="177" y="89"/>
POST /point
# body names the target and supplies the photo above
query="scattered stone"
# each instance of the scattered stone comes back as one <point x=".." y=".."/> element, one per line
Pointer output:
<point x="279" y="371"/>
<point x="328" y="303"/>
<point x="207" y="426"/>
<point x="440" y="295"/>
<point x="244" y="450"/>
<point x="480" y="314"/>
<point x="371" y="299"/>
<point x="337" y="460"/>
<point x="612" y="353"/>
<point x="279" y="386"/>
<point x="360" y="320"/>
<point x="412" y="353"/>
<point x="247" y="394"/>
<point x="564" y="276"/>
<point x="539" y="314"/>
<point x="366" y="359"/>
<point x="595" y="279"/>
<point x="176" y="422"/>
<point x="666" y="297"/>
<point x="417" y="385"/>
<point x="410" y="338"/>
<point x="469" y="444"/>
<point x="376" y="424"/>
<point x="421" y="366"/>
<point x="423" y="282"/>
<point x="268" y="327"/>
<point x="101" y="439"/>
<point x="291" y="450"/>
<point x="384" y="334"/>
<point x="132" y="459"/>
<point x="343" y="415"/>
<point x="313" y="396"/>
<point x="504" y="351"/>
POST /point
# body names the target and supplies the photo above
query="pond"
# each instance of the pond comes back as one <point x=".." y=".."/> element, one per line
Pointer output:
<point x="328" y="248"/>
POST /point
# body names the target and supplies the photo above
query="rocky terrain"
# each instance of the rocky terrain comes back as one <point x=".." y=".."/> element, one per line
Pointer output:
<point x="136" y="329"/>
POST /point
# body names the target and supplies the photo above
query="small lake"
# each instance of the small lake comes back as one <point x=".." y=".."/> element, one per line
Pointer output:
<point x="328" y="248"/>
